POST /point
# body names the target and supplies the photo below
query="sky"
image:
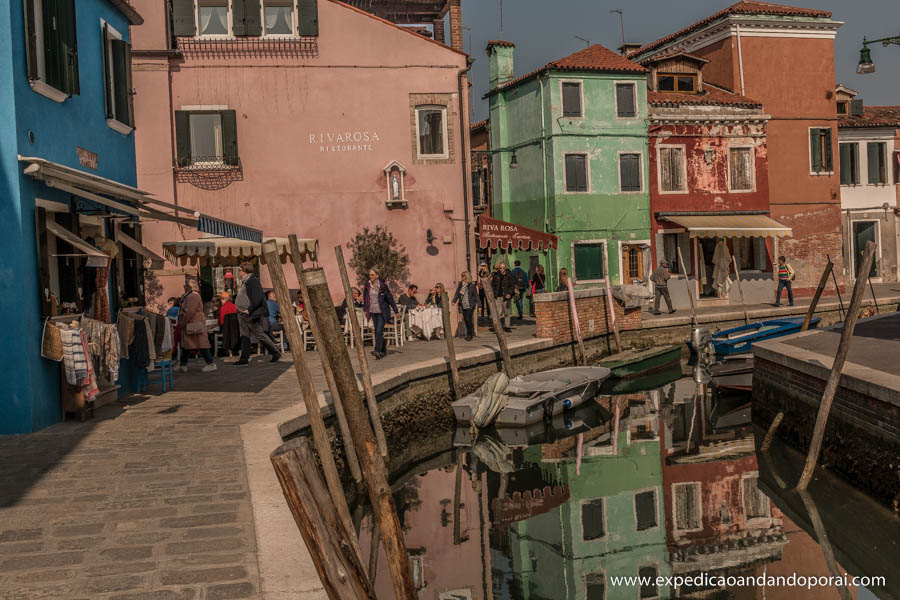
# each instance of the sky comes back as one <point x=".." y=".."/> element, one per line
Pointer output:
<point x="544" y="30"/>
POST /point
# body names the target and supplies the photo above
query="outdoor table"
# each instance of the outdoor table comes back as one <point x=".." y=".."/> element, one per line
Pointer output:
<point x="426" y="319"/>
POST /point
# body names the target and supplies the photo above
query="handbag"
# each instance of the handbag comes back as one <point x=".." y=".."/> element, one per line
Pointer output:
<point x="194" y="328"/>
<point x="51" y="342"/>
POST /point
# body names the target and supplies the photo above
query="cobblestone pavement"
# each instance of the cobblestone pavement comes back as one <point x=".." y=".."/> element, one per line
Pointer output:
<point x="149" y="500"/>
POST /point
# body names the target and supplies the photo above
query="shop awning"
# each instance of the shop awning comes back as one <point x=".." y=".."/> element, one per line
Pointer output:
<point x="95" y="258"/>
<point x="129" y="200"/>
<point x="221" y="251"/>
<point x="156" y="261"/>
<point x="728" y="225"/>
<point x="495" y="234"/>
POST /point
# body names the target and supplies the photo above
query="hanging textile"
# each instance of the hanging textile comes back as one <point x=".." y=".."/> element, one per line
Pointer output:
<point x="721" y="269"/>
<point x="89" y="388"/>
<point x="101" y="296"/>
<point x="139" y="349"/>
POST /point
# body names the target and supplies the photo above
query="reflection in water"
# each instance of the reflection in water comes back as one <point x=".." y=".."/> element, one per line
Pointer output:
<point x="660" y="483"/>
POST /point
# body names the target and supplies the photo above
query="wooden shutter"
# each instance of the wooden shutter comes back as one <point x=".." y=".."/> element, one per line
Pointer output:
<point x="229" y="137"/>
<point x="629" y="171"/>
<point x="875" y="167"/>
<point x="581" y="172"/>
<point x="107" y="93"/>
<point x="576" y="173"/>
<point x="121" y="69"/>
<point x="571" y="97"/>
<point x="645" y="510"/>
<point x="183" y="18"/>
<point x="245" y="18"/>
<point x="815" y="148"/>
<point x="625" y="100"/>
<point x="670" y="169"/>
<point x="829" y="158"/>
<point x="31" y="49"/>
<point x="52" y="62"/>
<point x="183" y="138"/>
<point x="68" y="46"/>
<point x="129" y="87"/>
<point x="308" y="17"/>
<point x="844" y="152"/>
<point x="665" y="169"/>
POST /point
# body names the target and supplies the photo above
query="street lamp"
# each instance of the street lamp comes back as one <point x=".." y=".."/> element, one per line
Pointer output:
<point x="865" y="55"/>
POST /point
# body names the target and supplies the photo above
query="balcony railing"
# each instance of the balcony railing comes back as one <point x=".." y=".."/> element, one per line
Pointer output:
<point x="209" y="172"/>
<point x="305" y="47"/>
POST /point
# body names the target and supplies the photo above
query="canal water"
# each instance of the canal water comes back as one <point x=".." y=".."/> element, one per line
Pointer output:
<point x="666" y="484"/>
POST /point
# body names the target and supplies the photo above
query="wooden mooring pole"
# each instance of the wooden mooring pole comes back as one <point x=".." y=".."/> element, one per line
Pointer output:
<point x="737" y="274"/>
<point x="823" y="281"/>
<point x="610" y="303"/>
<point x="834" y="378"/>
<point x="308" y="392"/>
<point x="874" y="298"/>
<point x="687" y="283"/>
<point x="836" y="288"/>
<point x="498" y="326"/>
<point x="448" y="336"/>
<point x="356" y="333"/>
<point x="371" y="461"/>
<point x="576" y="326"/>
<point x="331" y="547"/>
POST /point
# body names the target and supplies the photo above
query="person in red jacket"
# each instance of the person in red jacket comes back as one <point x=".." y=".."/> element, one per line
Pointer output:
<point x="227" y="308"/>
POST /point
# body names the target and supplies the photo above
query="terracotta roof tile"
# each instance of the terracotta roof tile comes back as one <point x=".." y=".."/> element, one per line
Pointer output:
<point x="744" y="7"/>
<point x="709" y="97"/>
<point x="482" y="123"/>
<point x="501" y="43"/>
<point x="873" y="116"/>
<point x="594" y="58"/>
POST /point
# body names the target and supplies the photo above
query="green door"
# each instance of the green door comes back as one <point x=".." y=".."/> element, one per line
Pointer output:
<point x="863" y="231"/>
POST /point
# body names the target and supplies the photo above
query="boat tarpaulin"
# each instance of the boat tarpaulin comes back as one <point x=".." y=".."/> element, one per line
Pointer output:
<point x="496" y="234"/>
<point x="729" y="225"/>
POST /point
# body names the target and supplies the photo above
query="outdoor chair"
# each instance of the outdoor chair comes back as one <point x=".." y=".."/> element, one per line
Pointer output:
<point x="394" y="330"/>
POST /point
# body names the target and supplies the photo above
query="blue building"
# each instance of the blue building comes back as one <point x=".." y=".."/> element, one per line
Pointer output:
<point x="67" y="183"/>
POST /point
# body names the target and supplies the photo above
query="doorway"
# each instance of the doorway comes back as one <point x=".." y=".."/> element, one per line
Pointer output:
<point x="863" y="231"/>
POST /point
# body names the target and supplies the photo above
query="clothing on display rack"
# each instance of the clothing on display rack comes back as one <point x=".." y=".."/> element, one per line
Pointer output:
<point x="77" y="361"/>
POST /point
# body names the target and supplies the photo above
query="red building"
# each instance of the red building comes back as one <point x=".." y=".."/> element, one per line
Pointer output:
<point x="709" y="181"/>
<point x="742" y="44"/>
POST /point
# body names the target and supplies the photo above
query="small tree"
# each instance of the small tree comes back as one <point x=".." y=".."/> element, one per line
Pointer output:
<point x="378" y="249"/>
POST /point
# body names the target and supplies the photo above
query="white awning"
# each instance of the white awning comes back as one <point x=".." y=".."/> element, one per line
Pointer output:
<point x="156" y="261"/>
<point x="726" y="225"/>
<point x="230" y="252"/>
<point x="95" y="258"/>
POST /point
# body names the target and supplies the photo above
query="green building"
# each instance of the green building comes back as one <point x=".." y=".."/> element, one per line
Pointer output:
<point x="569" y="157"/>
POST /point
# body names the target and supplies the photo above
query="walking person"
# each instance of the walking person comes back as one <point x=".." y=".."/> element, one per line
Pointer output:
<point x="538" y="284"/>
<point x="253" y="315"/>
<point x="467" y="297"/>
<point x="785" y="277"/>
<point x="660" y="278"/>
<point x="503" y="283"/>
<point x="482" y="272"/>
<point x="521" y="278"/>
<point x="192" y="322"/>
<point x="379" y="302"/>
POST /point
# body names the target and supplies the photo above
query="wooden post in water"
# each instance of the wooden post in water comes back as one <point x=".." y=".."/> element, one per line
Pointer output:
<point x="371" y="461"/>
<point x="834" y="378"/>
<point x="874" y="299"/>
<point x="687" y="282"/>
<point x="374" y="549"/>
<point x="498" y="326"/>
<point x="737" y="274"/>
<point x="770" y="435"/>
<point x="618" y="414"/>
<point x="356" y="332"/>
<point x="331" y="547"/>
<point x="310" y="398"/>
<point x="822" y="537"/>
<point x="823" y="281"/>
<point x="448" y="336"/>
<point x="836" y="287"/>
<point x="610" y="303"/>
<point x="576" y="326"/>
<point x="457" y="508"/>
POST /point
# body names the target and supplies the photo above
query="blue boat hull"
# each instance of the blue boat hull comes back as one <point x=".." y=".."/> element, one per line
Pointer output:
<point x="739" y="339"/>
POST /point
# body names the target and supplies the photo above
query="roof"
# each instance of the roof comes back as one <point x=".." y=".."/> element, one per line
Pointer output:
<point x="709" y="97"/>
<point x="124" y="6"/>
<point x="501" y="43"/>
<point x="406" y="12"/>
<point x="595" y="58"/>
<point x="744" y="7"/>
<point x="669" y="55"/>
<point x="478" y="125"/>
<point x="873" y="116"/>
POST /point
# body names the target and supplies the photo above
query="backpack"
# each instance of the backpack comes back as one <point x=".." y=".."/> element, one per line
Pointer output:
<point x="521" y="278"/>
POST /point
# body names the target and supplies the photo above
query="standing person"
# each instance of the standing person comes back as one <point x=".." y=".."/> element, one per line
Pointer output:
<point x="503" y="284"/>
<point x="785" y="277"/>
<point x="378" y="304"/>
<point x="467" y="297"/>
<point x="538" y="284"/>
<point x="563" y="279"/>
<point x="172" y="308"/>
<point x="227" y="308"/>
<point x="660" y="278"/>
<point x="274" y="312"/>
<point x="192" y="321"/>
<point x="482" y="272"/>
<point x="521" y="278"/>
<point x="253" y="314"/>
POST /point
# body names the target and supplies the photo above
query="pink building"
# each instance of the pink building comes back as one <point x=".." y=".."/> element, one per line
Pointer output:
<point x="309" y="117"/>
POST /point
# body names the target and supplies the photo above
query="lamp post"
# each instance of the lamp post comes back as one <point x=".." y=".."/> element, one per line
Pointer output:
<point x="865" y="55"/>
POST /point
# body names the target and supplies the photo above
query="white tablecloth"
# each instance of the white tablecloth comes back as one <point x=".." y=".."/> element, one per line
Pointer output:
<point x="426" y="319"/>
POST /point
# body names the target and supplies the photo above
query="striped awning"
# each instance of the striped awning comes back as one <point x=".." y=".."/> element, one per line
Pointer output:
<point x="729" y="225"/>
<point x="224" y="252"/>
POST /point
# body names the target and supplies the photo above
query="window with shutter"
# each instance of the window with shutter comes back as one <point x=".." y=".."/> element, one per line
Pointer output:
<point x="278" y="18"/>
<point x="630" y="172"/>
<point x="183" y="138"/>
<point x="206" y="140"/>
<point x="756" y="504"/>
<point x="687" y="506"/>
<point x="625" y="101"/>
<point x="588" y="261"/>
<point x="671" y="169"/>
<point x="215" y="19"/>
<point x="245" y="18"/>
<point x="576" y="173"/>
<point x="849" y="163"/>
<point x="571" y="99"/>
<point x="431" y="131"/>
<point x="740" y="175"/>
<point x="645" y="510"/>
<point x="648" y="582"/>
<point x="183" y="18"/>
<point x="821" y="160"/>
<point x="595" y="586"/>
<point x="118" y="93"/>
<point x="51" y="55"/>
<point x="593" y="523"/>
<point x="229" y="137"/>
<point x="308" y="17"/>
<point x="876" y="154"/>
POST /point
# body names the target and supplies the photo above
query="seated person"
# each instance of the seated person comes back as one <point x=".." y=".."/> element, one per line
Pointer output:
<point x="434" y="296"/>
<point x="409" y="299"/>
<point x="275" y="323"/>
<point x="357" y="303"/>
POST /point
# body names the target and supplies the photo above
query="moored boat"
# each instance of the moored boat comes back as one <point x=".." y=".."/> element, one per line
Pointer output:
<point x="739" y="339"/>
<point x="632" y="363"/>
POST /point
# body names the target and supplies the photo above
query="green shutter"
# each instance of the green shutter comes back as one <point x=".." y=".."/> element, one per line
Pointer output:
<point x="107" y="95"/>
<point x="844" y="151"/>
<point x="581" y="173"/>
<point x="129" y="87"/>
<point x="183" y="19"/>
<point x="815" y="148"/>
<point x="52" y="62"/>
<point x="229" y="137"/>
<point x="829" y="158"/>
<point x="30" y="41"/>
<point x="61" y="58"/>
<point x="308" y="17"/>
<point x="245" y="18"/>
<point x="120" y="88"/>
<point x="630" y="172"/>
<point x="588" y="262"/>
<point x="625" y="104"/>
<point x="874" y="168"/>
<point x="183" y="138"/>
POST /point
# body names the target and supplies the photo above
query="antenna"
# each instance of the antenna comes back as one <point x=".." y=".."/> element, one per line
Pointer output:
<point x="622" y="20"/>
<point x="588" y="42"/>
<point x="501" y="16"/>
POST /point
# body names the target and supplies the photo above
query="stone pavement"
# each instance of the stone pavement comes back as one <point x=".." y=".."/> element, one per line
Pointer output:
<point x="150" y="499"/>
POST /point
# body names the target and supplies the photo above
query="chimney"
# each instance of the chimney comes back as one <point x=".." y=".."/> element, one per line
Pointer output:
<point x="500" y="62"/>
<point x="439" y="35"/>
<point x="629" y="48"/>
<point x="456" y="25"/>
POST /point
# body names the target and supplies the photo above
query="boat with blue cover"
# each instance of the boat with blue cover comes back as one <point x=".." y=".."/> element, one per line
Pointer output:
<point x="739" y="339"/>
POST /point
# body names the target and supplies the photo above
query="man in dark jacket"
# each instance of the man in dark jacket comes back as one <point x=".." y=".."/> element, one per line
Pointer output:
<point x="503" y="282"/>
<point x="660" y="279"/>
<point x="253" y="315"/>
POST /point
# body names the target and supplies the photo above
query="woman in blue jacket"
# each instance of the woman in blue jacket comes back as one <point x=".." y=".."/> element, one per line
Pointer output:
<point x="378" y="302"/>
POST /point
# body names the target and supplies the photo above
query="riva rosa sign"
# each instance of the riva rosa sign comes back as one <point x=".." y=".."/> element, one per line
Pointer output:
<point x="344" y="141"/>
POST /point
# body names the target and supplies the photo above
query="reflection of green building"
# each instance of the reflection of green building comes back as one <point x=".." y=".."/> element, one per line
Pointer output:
<point x="613" y="526"/>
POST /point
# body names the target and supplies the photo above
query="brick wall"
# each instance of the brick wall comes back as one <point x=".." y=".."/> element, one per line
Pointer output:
<point x="445" y="100"/>
<point x="439" y="35"/>
<point x="554" y="319"/>
<point x="456" y="25"/>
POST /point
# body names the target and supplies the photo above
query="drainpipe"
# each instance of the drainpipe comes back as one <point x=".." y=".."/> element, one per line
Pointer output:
<point x="541" y="80"/>
<point x="464" y="149"/>
<point x="737" y="29"/>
